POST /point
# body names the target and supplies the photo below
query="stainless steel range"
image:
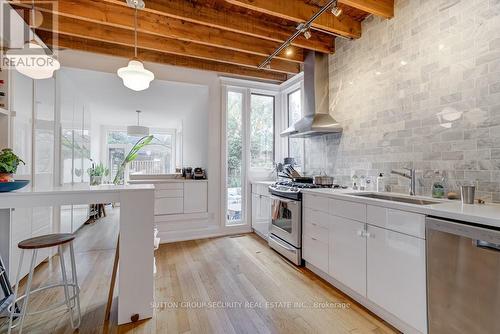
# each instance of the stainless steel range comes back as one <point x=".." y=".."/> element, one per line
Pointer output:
<point x="285" y="232"/>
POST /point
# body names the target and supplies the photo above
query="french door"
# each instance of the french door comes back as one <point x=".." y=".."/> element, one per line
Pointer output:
<point x="249" y="141"/>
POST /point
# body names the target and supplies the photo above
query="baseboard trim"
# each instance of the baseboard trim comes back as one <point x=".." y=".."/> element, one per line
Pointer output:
<point x="209" y="232"/>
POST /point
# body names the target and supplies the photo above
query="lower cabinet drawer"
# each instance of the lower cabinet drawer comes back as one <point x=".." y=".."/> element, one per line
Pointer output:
<point x="316" y="231"/>
<point x="168" y="206"/>
<point x="169" y="193"/>
<point x="315" y="252"/>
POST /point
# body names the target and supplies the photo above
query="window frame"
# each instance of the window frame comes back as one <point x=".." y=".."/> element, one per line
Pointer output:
<point x="274" y="96"/>
<point x="247" y="88"/>
<point x="106" y="129"/>
<point x="289" y="87"/>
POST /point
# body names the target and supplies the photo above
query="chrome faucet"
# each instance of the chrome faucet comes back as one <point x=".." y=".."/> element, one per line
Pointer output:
<point x="410" y="176"/>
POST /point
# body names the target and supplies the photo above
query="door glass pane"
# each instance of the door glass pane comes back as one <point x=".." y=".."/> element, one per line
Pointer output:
<point x="282" y="216"/>
<point x="262" y="131"/>
<point x="295" y="145"/>
<point x="234" y="133"/>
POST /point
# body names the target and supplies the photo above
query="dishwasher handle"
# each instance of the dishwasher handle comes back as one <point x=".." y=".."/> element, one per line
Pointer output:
<point x="482" y="236"/>
<point x="487" y="245"/>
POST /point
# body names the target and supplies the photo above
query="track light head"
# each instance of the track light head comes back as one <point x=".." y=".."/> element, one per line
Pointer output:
<point x="139" y="4"/>
<point x="336" y="10"/>
<point x="307" y="34"/>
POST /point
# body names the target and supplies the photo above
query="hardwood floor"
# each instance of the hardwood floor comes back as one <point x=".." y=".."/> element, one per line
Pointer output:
<point x="223" y="285"/>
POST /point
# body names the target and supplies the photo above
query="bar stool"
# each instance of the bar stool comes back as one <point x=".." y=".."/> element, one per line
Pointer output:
<point x="72" y="300"/>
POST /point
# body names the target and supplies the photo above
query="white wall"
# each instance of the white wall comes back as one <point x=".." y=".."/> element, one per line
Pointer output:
<point x="211" y="124"/>
<point x="166" y="105"/>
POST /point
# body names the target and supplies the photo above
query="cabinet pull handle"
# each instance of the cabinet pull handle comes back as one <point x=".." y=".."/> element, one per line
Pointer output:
<point x="313" y="224"/>
<point x="314" y="239"/>
<point x="361" y="234"/>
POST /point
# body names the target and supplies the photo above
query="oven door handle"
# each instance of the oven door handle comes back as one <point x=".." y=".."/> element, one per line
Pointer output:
<point x="281" y="243"/>
<point x="284" y="200"/>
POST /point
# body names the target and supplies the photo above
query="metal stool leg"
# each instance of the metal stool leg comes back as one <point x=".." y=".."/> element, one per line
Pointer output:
<point x="13" y="306"/>
<point x="27" y="294"/>
<point x="76" y="287"/>
<point x="65" y="284"/>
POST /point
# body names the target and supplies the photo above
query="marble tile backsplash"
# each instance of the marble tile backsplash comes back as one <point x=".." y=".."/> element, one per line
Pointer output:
<point x="421" y="90"/>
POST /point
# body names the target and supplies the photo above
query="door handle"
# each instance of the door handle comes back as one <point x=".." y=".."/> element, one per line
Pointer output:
<point x="487" y="245"/>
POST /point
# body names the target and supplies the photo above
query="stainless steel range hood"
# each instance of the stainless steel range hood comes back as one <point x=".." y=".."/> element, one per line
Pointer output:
<point x="317" y="119"/>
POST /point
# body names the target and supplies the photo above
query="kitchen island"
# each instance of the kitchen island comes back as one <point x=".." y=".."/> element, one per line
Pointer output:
<point x="135" y="277"/>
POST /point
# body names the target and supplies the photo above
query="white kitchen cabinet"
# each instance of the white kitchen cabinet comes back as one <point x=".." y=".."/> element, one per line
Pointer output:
<point x="315" y="252"/>
<point x="397" y="276"/>
<point x="169" y="206"/>
<point x="195" y="197"/>
<point x="21" y="224"/>
<point x="181" y="207"/>
<point x="347" y="253"/>
<point x="261" y="214"/>
<point x="396" y="220"/>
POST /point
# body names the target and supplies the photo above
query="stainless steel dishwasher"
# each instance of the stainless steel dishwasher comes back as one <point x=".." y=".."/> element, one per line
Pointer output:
<point x="463" y="278"/>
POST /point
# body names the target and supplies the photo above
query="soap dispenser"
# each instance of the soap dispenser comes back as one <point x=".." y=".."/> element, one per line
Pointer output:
<point x="381" y="182"/>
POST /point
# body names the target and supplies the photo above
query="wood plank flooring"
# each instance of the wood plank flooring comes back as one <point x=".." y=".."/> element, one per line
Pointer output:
<point x="222" y="285"/>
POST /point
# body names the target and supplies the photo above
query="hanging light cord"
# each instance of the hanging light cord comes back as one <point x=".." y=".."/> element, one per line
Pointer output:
<point x="135" y="32"/>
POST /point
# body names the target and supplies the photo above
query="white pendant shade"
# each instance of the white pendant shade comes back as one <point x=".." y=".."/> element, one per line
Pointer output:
<point x="137" y="131"/>
<point x="33" y="62"/>
<point x="135" y="76"/>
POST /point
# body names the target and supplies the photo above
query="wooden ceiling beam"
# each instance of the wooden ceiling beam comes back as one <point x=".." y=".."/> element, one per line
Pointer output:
<point x="299" y="11"/>
<point x="82" y="29"/>
<point x="383" y="8"/>
<point x="162" y="26"/>
<point x="81" y="44"/>
<point x="221" y="18"/>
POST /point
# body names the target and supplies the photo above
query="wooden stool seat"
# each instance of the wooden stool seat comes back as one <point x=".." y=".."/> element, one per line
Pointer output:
<point x="45" y="241"/>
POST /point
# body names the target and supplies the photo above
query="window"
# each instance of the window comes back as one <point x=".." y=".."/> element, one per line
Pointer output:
<point x="262" y="131"/>
<point x="234" y="142"/>
<point x="295" y="145"/>
<point x="156" y="158"/>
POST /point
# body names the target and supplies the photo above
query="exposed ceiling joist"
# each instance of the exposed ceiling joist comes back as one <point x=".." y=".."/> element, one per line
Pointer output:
<point x="299" y="11"/>
<point x="234" y="21"/>
<point x="82" y="29"/>
<point x="383" y="8"/>
<point x="162" y="26"/>
<point x="81" y="44"/>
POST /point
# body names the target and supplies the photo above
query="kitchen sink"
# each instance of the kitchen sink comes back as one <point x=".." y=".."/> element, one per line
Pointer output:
<point x="417" y="201"/>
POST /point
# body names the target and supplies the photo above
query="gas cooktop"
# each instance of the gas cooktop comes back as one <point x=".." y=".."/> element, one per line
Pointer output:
<point x="291" y="190"/>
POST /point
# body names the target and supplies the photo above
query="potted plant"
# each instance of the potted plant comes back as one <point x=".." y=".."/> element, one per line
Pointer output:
<point x="8" y="165"/>
<point x="96" y="173"/>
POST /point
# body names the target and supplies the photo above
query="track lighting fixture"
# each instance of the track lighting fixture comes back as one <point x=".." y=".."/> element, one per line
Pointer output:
<point x="307" y="34"/>
<point x="302" y="29"/>
<point x="336" y="10"/>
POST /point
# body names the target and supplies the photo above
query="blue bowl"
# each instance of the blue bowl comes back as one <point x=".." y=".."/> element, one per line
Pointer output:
<point x="15" y="185"/>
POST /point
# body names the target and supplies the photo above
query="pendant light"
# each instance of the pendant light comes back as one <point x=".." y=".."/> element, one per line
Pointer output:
<point x="135" y="76"/>
<point x="32" y="61"/>
<point x="137" y="130"/>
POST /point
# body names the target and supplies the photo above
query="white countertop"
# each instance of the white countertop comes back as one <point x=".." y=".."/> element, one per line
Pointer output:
<point x="76" y="188"/>
<point x="267" y="183"/>
<point x="146" y="181"/>
<point x="484" y="214"/>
